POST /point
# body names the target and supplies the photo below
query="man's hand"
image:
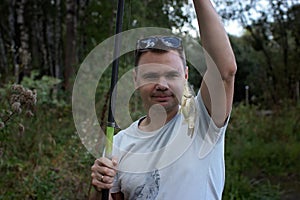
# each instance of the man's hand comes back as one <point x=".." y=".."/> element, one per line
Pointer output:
<point x="103" y="173"/>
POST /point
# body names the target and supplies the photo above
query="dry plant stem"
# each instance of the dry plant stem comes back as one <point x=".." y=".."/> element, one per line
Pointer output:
<point x="9" y="117"/>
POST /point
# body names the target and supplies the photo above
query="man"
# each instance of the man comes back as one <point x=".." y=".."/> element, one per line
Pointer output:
<point x="165" y="155"/>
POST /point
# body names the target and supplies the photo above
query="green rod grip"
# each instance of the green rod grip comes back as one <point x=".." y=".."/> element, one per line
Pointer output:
<point x="109" y="141"/>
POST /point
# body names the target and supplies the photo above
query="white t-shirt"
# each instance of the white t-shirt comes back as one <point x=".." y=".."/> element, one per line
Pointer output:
<point x="167" y="164"/>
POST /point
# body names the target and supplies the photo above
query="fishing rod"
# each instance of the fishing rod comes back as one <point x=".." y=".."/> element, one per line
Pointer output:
<point x="111" y="125"/>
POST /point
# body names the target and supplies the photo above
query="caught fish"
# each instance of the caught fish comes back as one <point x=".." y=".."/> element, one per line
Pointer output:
<point x="188" y="108"/>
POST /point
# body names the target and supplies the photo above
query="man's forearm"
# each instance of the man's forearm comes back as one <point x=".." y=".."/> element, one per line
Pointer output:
<point x="214" y="37"/>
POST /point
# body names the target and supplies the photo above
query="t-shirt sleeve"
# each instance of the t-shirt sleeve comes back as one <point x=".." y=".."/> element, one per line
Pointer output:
<point x="209" y="134"/>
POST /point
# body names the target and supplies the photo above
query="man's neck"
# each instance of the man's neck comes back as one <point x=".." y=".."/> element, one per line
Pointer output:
<point x="156" y="119"/>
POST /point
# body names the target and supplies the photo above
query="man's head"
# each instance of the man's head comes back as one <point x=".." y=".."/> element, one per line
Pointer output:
<point x="160" y="71"/>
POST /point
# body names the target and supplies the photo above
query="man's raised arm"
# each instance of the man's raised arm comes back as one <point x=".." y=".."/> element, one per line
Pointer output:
<point x="218" y="85"/>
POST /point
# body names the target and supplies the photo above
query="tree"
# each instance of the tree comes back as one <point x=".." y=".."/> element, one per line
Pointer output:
<point x="53" y="37"/>
<point x="13" y="45"/>
<point x="3" y="59"/>
<point x="58" y="47"/>
<point x="269" y="33"/>
<point x="70" y="46"/>
<point x="24" y="53"/>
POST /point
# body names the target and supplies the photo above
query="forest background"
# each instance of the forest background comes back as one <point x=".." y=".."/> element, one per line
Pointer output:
<point x="43" y="43"/>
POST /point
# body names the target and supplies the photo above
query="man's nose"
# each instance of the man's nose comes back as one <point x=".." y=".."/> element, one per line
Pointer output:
<point x="162" y="84"/>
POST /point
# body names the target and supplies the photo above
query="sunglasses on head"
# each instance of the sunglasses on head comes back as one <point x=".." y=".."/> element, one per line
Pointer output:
<point x="164" y="43"/>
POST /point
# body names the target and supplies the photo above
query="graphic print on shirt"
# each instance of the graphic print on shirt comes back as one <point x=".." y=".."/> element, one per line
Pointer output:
<point x="149" y="189"/>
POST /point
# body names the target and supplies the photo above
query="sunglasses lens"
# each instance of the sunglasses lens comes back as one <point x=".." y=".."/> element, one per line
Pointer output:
<point x="171" y="42"/>
<point x="147" y="43"/>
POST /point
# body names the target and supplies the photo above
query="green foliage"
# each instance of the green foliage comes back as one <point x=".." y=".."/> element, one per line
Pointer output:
<point x="262" y="153"/>
<point x="47" y="162"/>
<point x="100" y="18"/>
<point x="46" y="88"/>
<point x="249" y="69"/>
<point x="159" y="13"/>
<point x="269" y="61"/>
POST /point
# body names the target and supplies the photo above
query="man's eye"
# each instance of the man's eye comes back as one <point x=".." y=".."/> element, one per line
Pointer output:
<point x="150" y="76"/>
<point x="172" y="75"/>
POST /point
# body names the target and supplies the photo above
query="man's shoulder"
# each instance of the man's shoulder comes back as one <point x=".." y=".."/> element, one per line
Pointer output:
<point x="129" y="130"/>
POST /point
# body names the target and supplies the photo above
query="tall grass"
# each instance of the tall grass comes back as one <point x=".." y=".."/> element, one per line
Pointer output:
<point x="263" y="154"/>
<point x="47" y="162"/>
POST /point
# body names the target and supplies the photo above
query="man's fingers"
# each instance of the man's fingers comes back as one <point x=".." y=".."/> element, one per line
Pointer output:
<point x="106" y="162"/>
<point x="107" y="179"/>
<point x="104" y="171"/>
<point x="102" y="178"/>
<point x="100" y="185"/>
<point x="114" y="161"/>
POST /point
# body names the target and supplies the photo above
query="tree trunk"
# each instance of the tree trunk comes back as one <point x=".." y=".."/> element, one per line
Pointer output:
<point x="24" y="53"/>
<point x="82" y="28"/>
<point x="3" y="59"/>
<point x="12" y="34"/>
<point x="57" y="55"/>
<point x="50" y="44"/>
<point x="41" y="27"/>
<point x="36" y="31"/>
<point x="58" y="41"/>
<point x="70" y="47"/>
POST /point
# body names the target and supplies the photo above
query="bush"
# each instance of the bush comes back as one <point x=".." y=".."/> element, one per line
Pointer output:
<point x="262" y="151"/>
<point x="46" y="161"/>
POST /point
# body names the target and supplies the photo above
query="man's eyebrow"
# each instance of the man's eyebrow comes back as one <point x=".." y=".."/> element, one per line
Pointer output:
<point x="173" y="72"/>
<point x="150" y="74"/>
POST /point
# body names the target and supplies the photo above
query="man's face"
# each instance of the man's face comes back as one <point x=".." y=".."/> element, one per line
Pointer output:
<point x="160" y="79"/>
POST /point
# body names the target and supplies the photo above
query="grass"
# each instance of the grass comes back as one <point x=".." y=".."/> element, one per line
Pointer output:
<point x="49" y="162"/>
<point x="262" y="154"/>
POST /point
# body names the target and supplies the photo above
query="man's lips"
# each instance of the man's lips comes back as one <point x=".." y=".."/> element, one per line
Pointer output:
<point x="162" y="98"/>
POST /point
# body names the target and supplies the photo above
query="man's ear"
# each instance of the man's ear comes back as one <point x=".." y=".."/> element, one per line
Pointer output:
<point x="134" y="76"/>
<point x="186" y="72"/>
